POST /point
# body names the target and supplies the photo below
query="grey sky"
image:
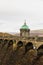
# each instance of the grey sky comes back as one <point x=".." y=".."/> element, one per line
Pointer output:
<point x="14" y="12"/>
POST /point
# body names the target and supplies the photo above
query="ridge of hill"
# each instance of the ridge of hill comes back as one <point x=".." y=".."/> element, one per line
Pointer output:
<point x="32" y="32"/>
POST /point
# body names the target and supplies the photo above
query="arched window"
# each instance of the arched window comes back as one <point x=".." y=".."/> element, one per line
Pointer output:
<point x="5" y="41"/>
<point x="1" y="40"/>
<point x="28" y="46"/>
<point x="20" y="44"/>
<point x="10" y="43"/>
<point x="40" y="50"/>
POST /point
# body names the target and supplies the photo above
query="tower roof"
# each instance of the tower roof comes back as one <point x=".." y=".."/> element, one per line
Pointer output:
<point x="24" y="26"/>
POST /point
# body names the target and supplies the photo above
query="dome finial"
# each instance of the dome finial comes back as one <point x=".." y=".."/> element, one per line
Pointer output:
<point x="25" y="22"/>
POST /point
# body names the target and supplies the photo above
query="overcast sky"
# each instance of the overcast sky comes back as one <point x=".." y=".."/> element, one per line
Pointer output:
<point x="14" y="12"/>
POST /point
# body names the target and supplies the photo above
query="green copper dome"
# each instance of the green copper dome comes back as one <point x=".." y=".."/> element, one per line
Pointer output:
<point x="24" y="26"/>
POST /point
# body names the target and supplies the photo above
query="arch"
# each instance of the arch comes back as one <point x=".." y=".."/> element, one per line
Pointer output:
<point x="28" y="46"/>
<point x="10" y="43"/>
<point x="40" y="50"/>
<point x="41" y="47"/>
<point x="5" y="41"/>
<point x="1" y="43"/>
<point x="1" y="40"/>
<point x="20" y="44"/>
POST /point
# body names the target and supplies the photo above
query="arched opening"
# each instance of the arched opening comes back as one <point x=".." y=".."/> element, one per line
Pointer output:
<point x="1" y="43"/>
<point x="40" y="50"/>
<point x="1" y="40"/>
<point x="28" y="46"/>
<point x="10" y="43"/>
<point x="5" y="41"/>
<point x="39" y="54"/>
<point x="20" y="44"/>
